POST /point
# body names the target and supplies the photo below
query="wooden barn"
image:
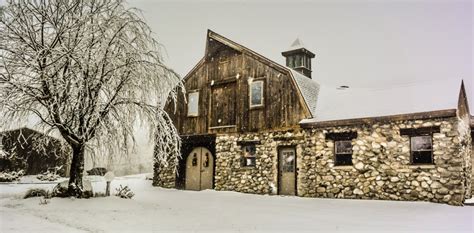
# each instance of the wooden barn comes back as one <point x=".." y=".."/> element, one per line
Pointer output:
<point x="21" y="151"/>
<point x="252" y="125"/>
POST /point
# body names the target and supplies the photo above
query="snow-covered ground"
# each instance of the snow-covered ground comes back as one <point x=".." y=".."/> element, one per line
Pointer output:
<point x="161" y="210"/>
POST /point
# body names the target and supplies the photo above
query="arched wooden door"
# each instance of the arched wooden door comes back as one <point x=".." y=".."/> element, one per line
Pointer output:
<point x="199" y="169"/>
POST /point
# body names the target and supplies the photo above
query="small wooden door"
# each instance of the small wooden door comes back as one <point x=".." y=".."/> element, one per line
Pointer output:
<point x="287" y="171"/>
<point x="199" y="169"/>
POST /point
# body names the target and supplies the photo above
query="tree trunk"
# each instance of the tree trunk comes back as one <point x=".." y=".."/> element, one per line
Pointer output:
<point x="76" y="187"/>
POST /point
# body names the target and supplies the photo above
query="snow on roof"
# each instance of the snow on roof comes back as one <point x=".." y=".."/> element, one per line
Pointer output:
<point x="327" y="103"/>
<point x="350" y="103"/>
<point x="309" y="89"/>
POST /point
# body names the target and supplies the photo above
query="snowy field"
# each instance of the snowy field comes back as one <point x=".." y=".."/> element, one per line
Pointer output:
<point x="160" y="210"/>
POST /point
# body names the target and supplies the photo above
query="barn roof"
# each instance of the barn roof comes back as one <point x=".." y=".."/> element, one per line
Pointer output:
<point x="307" y="88"/>
<point x="28" y="131"/>
<point x="332" y="103"/>
<point x="335" y="103"/>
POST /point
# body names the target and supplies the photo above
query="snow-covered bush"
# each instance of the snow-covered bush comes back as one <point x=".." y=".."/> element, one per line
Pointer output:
<point x="37" y="192"/>
<point x="50" y="175"/>
<point x="124" y="192"/>
<point x="11" y="176"/>
<point x="61" y="189"/>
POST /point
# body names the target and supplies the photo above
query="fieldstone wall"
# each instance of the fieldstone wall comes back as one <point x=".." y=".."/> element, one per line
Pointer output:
<point x="465" y="143"/>
<point x="164" y="176"/>
<point x="472" y="167"/>
<point x="262" y="178"/>
<point x="381" y="163"/>
<point x="382" y="169"/>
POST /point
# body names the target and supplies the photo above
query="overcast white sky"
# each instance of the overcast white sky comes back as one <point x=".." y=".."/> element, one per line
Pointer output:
<point x="359" y="43"/>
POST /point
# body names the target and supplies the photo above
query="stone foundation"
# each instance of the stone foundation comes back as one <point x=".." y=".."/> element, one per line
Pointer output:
<point x="381" y="164"/>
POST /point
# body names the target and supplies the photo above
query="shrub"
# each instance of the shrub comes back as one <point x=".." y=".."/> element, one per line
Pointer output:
<point x="124" y="192"/>
<point x="37" y="192"/>
<point x="61" y="189"/>
<point x="97" y="171"/>
<point x="44" y="201"/>
<point x="48" y="176"/>
<point x="11" y="176"/>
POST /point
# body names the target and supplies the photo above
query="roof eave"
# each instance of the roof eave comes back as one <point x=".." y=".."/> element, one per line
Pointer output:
<point x="371" y="120"/>
<point x="293" y="51"/>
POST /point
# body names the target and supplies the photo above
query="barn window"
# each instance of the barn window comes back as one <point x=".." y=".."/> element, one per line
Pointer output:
<point x="256" y="94"/>
<point x="421" y="149"/>
<point x="193" y="103"/>
<point x="249" y="155"/>
<point x="343" y="152"/>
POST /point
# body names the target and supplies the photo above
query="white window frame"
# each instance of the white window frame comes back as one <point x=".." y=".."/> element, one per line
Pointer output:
<point x="261" y="82"/>
<point x="195" y="92"/>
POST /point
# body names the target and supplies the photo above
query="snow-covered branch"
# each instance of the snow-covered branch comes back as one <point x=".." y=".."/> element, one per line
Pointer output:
<point x="89" y="69"/>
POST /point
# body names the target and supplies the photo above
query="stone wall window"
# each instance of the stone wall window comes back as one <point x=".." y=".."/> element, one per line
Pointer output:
<point x="248" y="155"/>
<point x="193" y="103"/>
<point x="421" y="143"/>
<point x="343" y="152"/>
<point x="342" y="147"/>
<point x="421" y="149"/>
<point x="256" y="94"/>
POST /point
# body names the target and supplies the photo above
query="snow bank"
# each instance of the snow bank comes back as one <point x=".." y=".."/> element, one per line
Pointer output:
<point x="155" y="209"/>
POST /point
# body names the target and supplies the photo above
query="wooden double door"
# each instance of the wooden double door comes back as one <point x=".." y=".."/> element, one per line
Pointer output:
<point x="199" y="169"/>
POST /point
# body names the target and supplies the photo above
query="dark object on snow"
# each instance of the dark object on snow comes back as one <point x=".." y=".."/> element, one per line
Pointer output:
<point x="99" y="194"/>
<point x="37" y="192"/>
<point x="97" y="171"/>
<point x="61" y="189"/>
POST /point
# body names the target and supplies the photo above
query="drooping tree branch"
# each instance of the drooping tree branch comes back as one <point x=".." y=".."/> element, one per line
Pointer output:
<point x="89" y="70"/>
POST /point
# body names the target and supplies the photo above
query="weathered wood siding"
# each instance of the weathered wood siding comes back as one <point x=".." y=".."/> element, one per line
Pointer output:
<point x="223" y="85"/>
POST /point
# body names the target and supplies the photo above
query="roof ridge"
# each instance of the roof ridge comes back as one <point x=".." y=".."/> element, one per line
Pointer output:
<point x="218" y="37"/>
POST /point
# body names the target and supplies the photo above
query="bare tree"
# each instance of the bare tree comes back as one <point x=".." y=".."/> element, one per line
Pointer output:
<point x="89" y="70"/>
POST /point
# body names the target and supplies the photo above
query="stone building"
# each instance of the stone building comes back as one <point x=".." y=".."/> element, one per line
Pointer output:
<point x="252" y="125"/>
